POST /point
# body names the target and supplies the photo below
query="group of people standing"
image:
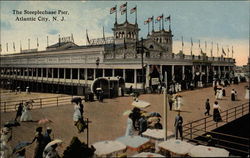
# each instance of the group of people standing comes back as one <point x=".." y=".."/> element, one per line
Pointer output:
<point x="175" y="100"/>
<point x="23" y="111"/>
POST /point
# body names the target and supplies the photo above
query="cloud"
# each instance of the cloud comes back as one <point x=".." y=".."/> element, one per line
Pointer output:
<point x="53" y="32"/>
<point x="5" y="25"/>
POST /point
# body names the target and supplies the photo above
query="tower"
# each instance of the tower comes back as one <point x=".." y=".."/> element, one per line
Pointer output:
<point x="125" y="32"/>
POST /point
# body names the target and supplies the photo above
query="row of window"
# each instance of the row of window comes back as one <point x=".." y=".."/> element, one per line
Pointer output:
<point x="66" y="73"/>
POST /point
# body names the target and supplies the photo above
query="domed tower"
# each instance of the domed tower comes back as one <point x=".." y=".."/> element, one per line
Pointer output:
<point x="125" y="32"/>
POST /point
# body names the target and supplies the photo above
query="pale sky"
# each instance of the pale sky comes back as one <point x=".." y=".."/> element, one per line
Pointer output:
<point x="222" y="22"/>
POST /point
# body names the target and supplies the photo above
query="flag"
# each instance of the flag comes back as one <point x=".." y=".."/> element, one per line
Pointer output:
<point x="159" y="18"/>
<point x="168" y="18"/>
<point x="20" y="46"/>
<point x="228" y="50"/>
<point x="182" y="41"/>
<point x="123" y="6"/>
<point x="103" y="32"/>
<point x="146" y="22"/>
<point x="7" y="47"/>
<point x="14" y="48"/>
<point x="191" y="42"/>
<point x="150" y="19"/>
<point x="123" y="11"/>
<point x="87" y="36"/>
<point x="133" y="10"/>
<point x="223" y="51"/>
<point x="112" y="10"/>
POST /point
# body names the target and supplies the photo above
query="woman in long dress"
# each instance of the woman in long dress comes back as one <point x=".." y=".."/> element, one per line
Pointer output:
<point x="26" y="114"/>
<point x="233" y="95"/>
<point x="130" y="127"/>
<point x="220" y="94"/>
<point x="216" y="114"/>
<point x="217" y="93"/>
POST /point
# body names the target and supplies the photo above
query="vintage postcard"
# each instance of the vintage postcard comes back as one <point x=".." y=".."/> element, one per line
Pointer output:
<point x="124" y="79"/>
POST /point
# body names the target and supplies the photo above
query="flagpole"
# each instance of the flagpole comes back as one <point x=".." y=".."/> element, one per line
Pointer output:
<point x="153" y="21"/>
<point x="148" y="28"/>
<point x="162" y="23"/>
<point x="20" y="46"/>
<point x="217" y="49"/>
<point x="115" y="14"/>
<point x="47" y="41"/>
<point x="232" y="52"/>
<point x="126" y="12"/>
<point x="191" y="46"/>
<point x="37" y="43"/>
<point x="29" y="44"/>
<point x="169" y="23"/>
<point x="212" y="50"/>
<point x="136" y="14"/>
<point x="182" y="43"/>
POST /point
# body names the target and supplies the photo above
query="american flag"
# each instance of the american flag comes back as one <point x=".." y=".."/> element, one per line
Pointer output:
<point x="123" y="6"/>
<point x="159" y="18"/>
<point x="133" y="10"/>
<point x="112" y="10"/>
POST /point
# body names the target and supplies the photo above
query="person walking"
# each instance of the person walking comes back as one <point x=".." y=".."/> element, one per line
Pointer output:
<point x="233" y="95"/>
<point x="207" y="106"/>
<point x="216" y="113"/>
<point x="130" y="128"/>
<point x="178" y="125"/>
<point x="78" y="119"/>
<point x="38" y="153"/>
<point x="19" y="111"/>
<point x="215" y="89"/>
<point x="26" y="115"/>
<point x="47" y="137"/>
<point x="170" y="101"/>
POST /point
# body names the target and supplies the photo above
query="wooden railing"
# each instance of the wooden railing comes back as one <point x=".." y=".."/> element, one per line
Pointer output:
<point x="8" y="106"/>
<point x="199" y="127"/>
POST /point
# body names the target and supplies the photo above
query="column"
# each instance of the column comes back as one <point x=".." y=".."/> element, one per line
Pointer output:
<point x="172" y="72"/>
<point x="123" y="74"/>
<point x="103" y="72"/>
<point x="113" y="72"/>
<point x="224" y="71"/>
<point x="219" y="72"/>
<point x="200" y="72"/>
<point x="135" y="78"/>
<point x="207" y="73"/>
<point x="85" y="76"/>
<point x="64" y="74"/>
<point x="147" y="76"/>
<point x="52" y="73"/>
<point x="193" y="72"/>
<point x="183" y="72"/>
<point x="78" y="75"/>
<point x="161" y="75"/>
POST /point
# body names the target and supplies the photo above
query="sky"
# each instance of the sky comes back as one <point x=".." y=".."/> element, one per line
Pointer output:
<point x="222" y="22"/>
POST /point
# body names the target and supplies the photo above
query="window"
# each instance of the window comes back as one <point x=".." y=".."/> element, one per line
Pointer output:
<point x="74" y="73"/>
<point x="44" y="72"/>
<point x="55" y="73"/>
<point x="139" y="75"/>
<point x="90" y="74"/>
<point x="119" y="72"/>
<point x="39" y="72"/>
<point x="61" y="73"/>
<point x="98" y="73"/>
<point x="129" y="76"/>
<point x="67" y="73"/>
<point x="108" y="72"/>
<point x="82" y="77"/>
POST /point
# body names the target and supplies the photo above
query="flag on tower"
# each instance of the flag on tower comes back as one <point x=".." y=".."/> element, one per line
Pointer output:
<point x="150" y="19"/>
<point x="37" y="44"/>
<point x="159" y="18"/>
<point x="87" y="36"/>
<point x="123" y="6"/>
<point x="146" y="22"/>
<point x="182" y="41"/>
<point x="133" y="10"/>
<point x="7" y="47"/>
<point x="112" y="10"/>
<point x="168" y="18"/>
<point x="123" y="11"/>
<point x="191" y="42"/>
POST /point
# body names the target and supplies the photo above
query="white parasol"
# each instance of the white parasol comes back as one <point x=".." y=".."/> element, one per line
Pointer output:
<point x="108" y="147"/>
<point x="140" y="104"/>
<point x="127" y="112"/>
<point x="147" y="154"/>
<point x="157" y="134"/>
<point x="176" y="146"/>
<point x="207" y="151"/>
<point x="56" y="141"/>
<point x="133" y="142"/>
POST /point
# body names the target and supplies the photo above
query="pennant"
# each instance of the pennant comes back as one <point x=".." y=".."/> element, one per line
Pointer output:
<point x="182" y="41"/>
<point x="223" y="51"/>
<point x="37" y="44"/>
<point x="159" y="18"/>
<point x="168" y="18"/>
<point x="87" y="37"/>
<point x="133" y="10"/>
<point x="191" y="42"/>
<point x="112" y="10"/>
<point x="123" y="6"/>
<point x="150" y="19"/>
<point x="146" y="22"/>
<point x="123" y="11"/>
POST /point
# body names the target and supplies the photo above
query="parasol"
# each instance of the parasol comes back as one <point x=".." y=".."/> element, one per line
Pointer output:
<point x="207" y="151"/>
<point x="176" y="146"/>
<point x="157" y="134"/>
<point x="140" y="104"/>
<point x="133" y="142"/>
<point x="56" y="141"/>
<point x="76" y="100"/>
<point x="108" y="147"/>
<point x="21" y="146"/>
<point x="127" y="112"/>
<point x="148" y="154"/>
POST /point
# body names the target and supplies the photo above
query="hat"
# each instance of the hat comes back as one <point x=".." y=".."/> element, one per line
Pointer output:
<point x="39" y="129"/>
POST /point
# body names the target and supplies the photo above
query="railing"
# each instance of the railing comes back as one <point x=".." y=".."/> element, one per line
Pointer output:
<point x="8" y="106"/>
<point x="199" y="127"/>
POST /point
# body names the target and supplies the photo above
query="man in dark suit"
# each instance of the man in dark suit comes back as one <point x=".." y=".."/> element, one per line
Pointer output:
<point x="178" y="125"/>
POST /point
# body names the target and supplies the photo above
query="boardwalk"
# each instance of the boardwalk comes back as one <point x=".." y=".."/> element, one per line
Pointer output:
<point x="107" y="118"/>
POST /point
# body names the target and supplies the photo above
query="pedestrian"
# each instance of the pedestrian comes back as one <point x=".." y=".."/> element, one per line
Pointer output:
<point x="19" y="111"/>
<point x="81" y="107"/>
<point x="38" y="153"/>
<point x="223" y="92"/>
<point x="130" y="89"/>
<point x="178" y="102"/>
<point x="233" y="95"/>
<point x="135" y="117"/>
<point x="207" y="106"/>
<point x="158" y="125"/>
<point x="78" y="119"/>
<point x="215" y="89"/>
<point x="47" y="137"/>
<point x="216" y="114"/>
<point x="220" y="93"/>
<point x="26" y="114"/>
<point x="142" y="125"/>
<point x="178" y="125"/>
<point x="130" y="128"/>
<point x="170" y="101"/>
